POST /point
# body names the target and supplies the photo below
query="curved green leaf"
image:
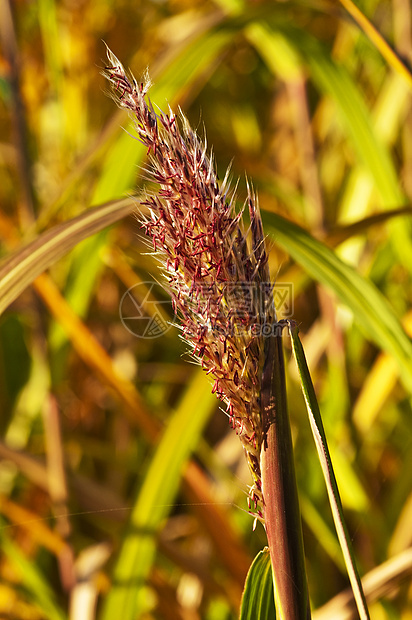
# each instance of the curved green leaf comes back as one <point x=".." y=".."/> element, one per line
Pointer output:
<point x="20" y="269"/>
<point x="37" y="587"/>
<point x="334" y="80"/>
<point x="257" y="599"/>
<point x="371" y="310"/>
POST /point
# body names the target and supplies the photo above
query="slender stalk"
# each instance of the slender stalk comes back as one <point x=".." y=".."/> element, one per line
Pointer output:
<point x="377" y="39"/>
<point x="280" y="499"/>
<point x="11" y="53"/>
<point x="321" y="443"/>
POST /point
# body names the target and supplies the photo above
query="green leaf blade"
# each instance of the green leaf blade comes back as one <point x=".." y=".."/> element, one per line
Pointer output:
<point x="19" y="270"/>
<point x="258" y="599"/>
<point x="370" y="309"/>
<point x="155" y="500"/>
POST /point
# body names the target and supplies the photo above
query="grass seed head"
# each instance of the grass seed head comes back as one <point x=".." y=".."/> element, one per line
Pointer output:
<point x="217" y="271"/>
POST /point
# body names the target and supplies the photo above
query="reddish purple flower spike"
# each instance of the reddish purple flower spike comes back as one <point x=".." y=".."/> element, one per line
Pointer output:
<point x="217" y="273"/>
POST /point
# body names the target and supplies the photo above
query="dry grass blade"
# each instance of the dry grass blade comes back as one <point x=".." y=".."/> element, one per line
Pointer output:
<point x="380" y="582"/>
<point x="377" y="39"/>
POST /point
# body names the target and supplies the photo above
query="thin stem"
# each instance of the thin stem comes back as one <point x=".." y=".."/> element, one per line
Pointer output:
<point x="9" y="41"/>
<point x="321" y="443"/>
<point x="377" y="39"/>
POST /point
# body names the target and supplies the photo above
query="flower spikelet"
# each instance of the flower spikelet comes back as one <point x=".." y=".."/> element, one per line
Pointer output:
<point x="217" y="271"/>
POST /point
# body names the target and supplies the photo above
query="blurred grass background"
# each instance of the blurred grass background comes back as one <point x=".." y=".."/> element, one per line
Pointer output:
<point x="115" y="457"/>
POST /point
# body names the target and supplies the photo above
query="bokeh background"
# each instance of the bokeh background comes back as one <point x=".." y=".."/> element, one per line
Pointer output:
<point x="113" y="452"/>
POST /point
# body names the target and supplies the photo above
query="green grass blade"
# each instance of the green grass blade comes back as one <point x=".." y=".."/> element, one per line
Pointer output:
<point x="321" y="443"/>
<point x="377" y="39"/>
<point x="370" y="309"/>
<point x="334" y="81"/>
<point x="257" y="598"/>
<point x="372" y="153"/>
<point x="38" y="589"/>
<point x="19" y="270"/>
<point x="126" y="597"/>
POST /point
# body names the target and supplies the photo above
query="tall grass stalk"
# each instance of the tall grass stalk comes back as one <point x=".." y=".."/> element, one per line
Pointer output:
<point x="218" y="277"/>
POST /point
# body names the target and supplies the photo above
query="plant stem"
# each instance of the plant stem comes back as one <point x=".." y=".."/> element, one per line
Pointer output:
<point x="281" y="506"/>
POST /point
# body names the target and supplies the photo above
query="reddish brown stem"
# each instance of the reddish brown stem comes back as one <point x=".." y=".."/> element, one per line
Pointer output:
<point x="281" y="506"/>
